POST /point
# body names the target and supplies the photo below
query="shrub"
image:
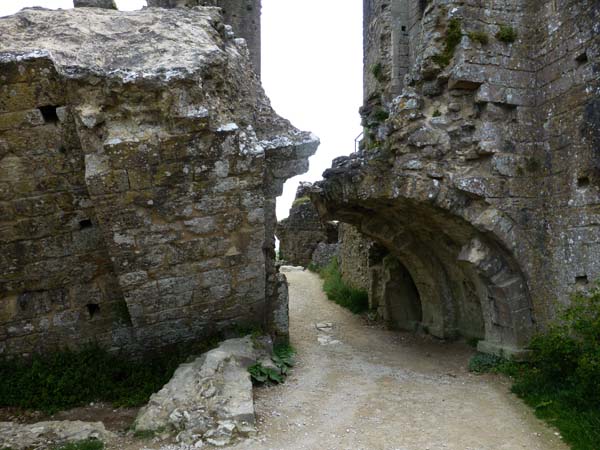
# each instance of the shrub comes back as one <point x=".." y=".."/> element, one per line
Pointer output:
<point x="356" y="300"/>
<point x="506" y="34"/>
<point x="380" y="115"/>
<point x="283" y="358"/>
<point x="560" y="380"/>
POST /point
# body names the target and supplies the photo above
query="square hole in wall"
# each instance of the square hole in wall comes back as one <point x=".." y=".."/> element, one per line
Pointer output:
<point x="583" y="182"/>
<point x="581" y="280"/>
<point x="85" y="223"/>
<point x="582" y="58"/>
<point x="49" y="113"/>
<point x="92" y="309"/>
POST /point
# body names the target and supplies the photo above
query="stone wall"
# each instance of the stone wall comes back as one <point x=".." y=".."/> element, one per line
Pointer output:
<point x="242" y="15"/>
<point x="354" y="256"/>
<point x="301" y="233"/>
<point x="139" y="167"/>
<point x="479" y="171"/>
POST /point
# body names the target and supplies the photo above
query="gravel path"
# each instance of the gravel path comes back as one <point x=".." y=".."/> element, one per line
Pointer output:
<point x="357" y="386"/>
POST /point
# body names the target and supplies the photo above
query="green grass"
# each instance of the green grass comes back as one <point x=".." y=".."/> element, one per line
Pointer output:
<point x="355" y="300"/>
<point x="452" y="39"/>
<point x="479" y="36"/>
<point x="561" y="380"/>
<point x="506" y="34"/>
<point x="301" y="201"/>
<point x="88" y="444"/>
<point x="66" y="379"/>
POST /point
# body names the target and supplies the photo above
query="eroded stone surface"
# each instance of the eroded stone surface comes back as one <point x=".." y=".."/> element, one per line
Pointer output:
<point x="210" y="399"/>
<point x="50" y="434"/>
<point x="477" y="177"/>
<point x="139" y="165"/>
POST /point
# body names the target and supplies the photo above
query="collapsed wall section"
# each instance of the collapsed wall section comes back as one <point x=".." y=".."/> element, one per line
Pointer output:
<point x="139" y="165"/>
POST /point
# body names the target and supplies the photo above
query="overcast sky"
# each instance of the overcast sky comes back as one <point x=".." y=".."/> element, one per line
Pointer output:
<point x="311" y="70"/>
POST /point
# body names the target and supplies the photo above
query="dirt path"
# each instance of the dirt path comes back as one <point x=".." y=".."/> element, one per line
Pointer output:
<point x="357" y="386"/>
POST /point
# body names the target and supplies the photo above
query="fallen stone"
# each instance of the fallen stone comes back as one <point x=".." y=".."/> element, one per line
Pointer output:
<point x="18" y="436"/>
<point x="209" y="399"/>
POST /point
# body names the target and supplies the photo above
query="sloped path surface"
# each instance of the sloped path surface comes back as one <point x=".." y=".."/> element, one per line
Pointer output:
<point x="357" y="386"/>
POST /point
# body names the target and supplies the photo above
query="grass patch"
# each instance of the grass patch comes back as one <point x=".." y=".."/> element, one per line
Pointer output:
<point x="66" y="379"/>
<point x="453" y="37"/>
<point x="88" y="444"/>
<point x="479" y="36"/>
<point x="377" y="71"/>
<point x="356" y="300"/>
<point x="561" y="379"/>
<point x="506" y="34"/>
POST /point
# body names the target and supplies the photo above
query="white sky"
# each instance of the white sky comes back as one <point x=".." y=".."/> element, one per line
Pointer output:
<point x="311" y="71"/>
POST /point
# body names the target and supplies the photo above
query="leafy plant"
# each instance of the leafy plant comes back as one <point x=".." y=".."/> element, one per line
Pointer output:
<point x="452" y="39"/>
<point x="380" y="115"/>
<point x="506" y="34"/>
<point x="479" y="36"/>
<point x="283" y="359"/>
<point x="88" y="444"/>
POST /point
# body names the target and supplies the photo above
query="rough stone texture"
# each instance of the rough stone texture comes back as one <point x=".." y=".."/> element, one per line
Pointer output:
<point x="301" y="232"/>
<point x="52" y="434"/>
<point x="107" y="4"/>
<point x="139" y="165"/>
<point x="242" y="15"/>
<point x="210" y="399"/>
<point x="484" y="181"/>
<point x="354" y="256"/>
<point x="324" y="253"/>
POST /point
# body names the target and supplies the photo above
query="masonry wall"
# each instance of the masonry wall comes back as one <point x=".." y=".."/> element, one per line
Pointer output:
<point x="478" y="171"/>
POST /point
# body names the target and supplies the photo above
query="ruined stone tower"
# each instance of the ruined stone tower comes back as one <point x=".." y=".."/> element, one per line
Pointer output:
<point x="479" y="175"/>
<point x="242" y="15"/>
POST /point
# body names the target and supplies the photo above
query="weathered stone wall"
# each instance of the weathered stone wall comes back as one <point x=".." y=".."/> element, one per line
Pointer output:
<point x="242" y="15"/>
<point x="481" y="177"/>
<point x="354" y="256"/>
<point x="139" y="167"/>
<point x="302" y="231"/>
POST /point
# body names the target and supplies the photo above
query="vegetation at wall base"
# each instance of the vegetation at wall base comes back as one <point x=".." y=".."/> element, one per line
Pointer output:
<point x="356" y="300"/>
<point x="283" y="359"/>
<point x="561" y="380"/>
<point x="61" y="380"/>
<point x="88" y="444"/>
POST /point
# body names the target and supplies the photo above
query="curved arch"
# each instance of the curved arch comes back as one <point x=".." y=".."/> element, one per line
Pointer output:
<point x="468" y="280"/>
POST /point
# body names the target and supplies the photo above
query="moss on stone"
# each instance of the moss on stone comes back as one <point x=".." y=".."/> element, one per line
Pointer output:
<point x="301" y="201"/>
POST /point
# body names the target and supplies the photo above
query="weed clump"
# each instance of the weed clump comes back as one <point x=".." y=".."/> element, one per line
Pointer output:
<point x="479" y="36"/>
<point x="377" y="71"/>
<point x="506" y="34"/>
<point x="560" y="379"/>
<point x="453" y="37"/>
<point x="301" y="201"/>
<point x="87" y="444"/>
<point x="356" y="300"/>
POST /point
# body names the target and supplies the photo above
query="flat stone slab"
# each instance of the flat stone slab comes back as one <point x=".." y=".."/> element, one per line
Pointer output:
<point x="209" y="399"/>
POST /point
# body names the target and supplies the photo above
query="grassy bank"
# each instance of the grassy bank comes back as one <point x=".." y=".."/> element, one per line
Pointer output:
<point x="561" y="381"/>
<point x="337" y="290"/>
